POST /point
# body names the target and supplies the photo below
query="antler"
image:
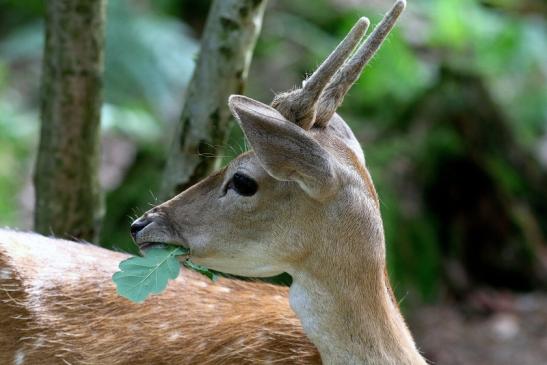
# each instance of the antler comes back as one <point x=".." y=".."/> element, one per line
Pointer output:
<point x="299" y="106"/>
<point x="322" y="92"/>
<point x="349" y="73"/>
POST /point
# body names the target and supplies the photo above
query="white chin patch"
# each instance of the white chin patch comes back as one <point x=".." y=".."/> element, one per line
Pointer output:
<point x="235" y="266"/>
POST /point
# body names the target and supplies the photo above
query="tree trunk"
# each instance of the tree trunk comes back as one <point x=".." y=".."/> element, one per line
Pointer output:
<point x="226" y="50"/>
<point x="68" y="199"/>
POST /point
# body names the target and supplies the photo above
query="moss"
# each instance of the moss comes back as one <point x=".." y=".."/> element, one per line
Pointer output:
<point x="255" y="3"/>
<point x="184" y="132"/>
<point x="244" y="11"/>
<point x="228" y="24"/>
<point x="226" y="51"/>
<point x="217" y="131"/>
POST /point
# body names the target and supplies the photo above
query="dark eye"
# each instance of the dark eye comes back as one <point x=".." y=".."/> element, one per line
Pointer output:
<point x="243" y="185"/>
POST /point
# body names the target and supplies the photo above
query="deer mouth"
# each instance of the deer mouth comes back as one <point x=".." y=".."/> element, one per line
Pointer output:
<point x="146" y="245"/>
<point x="153" y="232"/>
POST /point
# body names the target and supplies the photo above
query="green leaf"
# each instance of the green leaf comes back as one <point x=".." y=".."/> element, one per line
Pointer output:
<point x="141" y="276"/>
<point x="201" y="269"/>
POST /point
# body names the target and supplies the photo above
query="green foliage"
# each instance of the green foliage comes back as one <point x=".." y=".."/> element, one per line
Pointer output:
<point x="148" y="60"/>
<point x="507" y="50"/>
<point x="132" y="198"/>
<point x="17" y="133"/>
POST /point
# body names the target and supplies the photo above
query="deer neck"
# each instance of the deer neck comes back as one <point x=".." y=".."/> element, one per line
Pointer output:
<point x="350" y="315"/>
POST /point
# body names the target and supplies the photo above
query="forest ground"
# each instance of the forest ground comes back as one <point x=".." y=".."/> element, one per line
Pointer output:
<point x="490" y="328"/>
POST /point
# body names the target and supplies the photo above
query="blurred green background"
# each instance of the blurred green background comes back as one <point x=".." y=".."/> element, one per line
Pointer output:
<point x="452" y="114"/>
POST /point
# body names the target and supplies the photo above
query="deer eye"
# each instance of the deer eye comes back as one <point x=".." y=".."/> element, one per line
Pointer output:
<point x="243" y="185"/>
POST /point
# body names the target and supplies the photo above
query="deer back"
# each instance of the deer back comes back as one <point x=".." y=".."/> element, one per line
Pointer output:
<point x="58" y="305"/>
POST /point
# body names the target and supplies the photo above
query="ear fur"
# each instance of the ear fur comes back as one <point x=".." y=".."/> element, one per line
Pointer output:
<point x="284" y="149"/>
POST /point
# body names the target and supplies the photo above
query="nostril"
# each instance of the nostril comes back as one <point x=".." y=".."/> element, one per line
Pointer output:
<point x="138" y="225"/>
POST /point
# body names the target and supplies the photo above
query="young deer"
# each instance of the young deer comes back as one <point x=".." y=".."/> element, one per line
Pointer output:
<point x="301" y="202"/>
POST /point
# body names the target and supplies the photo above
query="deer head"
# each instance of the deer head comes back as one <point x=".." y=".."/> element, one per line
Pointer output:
<point x="302" y="202"/>
<point x="304" y="180"/>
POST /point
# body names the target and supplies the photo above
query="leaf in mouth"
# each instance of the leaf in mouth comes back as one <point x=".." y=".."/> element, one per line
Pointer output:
<point x="140" y="277"/>
<point x="201" y="269"/>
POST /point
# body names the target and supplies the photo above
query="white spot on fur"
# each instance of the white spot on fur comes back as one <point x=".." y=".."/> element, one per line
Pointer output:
<point x="211" y="306"/>
<point x="38" y="343"/>
<point x="202" y="284"/>
<point x="201" y="346"/>
<point x="5" y="274"/>
<point x="173" y="336"/>
<point x="19" y="358"/>
<point x="224" y="289"/>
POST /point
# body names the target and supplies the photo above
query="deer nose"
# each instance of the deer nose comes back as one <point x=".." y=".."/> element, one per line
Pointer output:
<point x="138" y="226"/>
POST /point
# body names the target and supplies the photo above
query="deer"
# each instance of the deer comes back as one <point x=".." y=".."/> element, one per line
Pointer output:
<point x="301" y="202"/>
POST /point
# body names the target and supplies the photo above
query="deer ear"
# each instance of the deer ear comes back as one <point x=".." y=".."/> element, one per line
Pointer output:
<point x="285" y="150"/>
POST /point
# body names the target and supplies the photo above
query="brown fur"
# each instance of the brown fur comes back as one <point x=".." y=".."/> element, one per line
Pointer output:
<point x="58" y="305"/>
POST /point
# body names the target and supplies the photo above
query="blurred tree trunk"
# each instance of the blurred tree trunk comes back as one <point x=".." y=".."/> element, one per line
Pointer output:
<point x="227" y="47"/>
<point x="67" y="191"/>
